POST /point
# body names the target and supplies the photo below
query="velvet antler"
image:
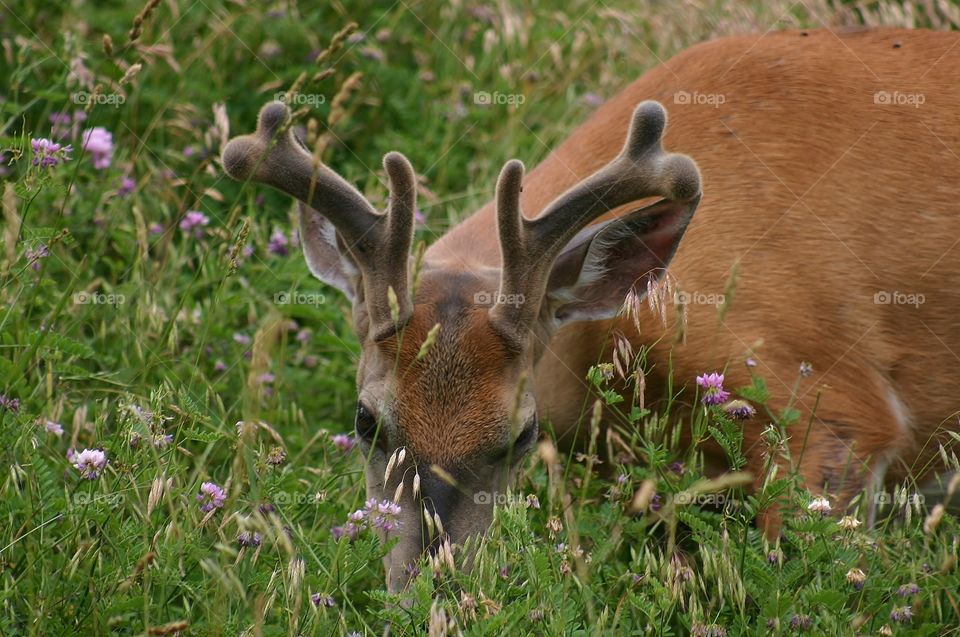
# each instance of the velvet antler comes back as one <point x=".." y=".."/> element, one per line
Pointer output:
<point x="378" y="243"/>
<point x="529" y="247"/>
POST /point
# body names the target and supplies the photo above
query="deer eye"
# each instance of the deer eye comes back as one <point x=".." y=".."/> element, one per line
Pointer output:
<point x="365" y="423"/>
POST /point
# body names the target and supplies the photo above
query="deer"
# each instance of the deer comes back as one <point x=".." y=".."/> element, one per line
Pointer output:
<point x="822" y="176"/>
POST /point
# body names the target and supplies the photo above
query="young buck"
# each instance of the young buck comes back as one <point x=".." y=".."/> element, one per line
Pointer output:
<point x="830" y="163"/>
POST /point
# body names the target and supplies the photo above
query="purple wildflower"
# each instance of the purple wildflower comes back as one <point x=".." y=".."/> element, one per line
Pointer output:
<point x="211" y="496"/>
<point x="348" y="530"/>
<point x="382" y="515"/>
<point x="304" y="335"/>
<point x="592" y="100"/>
<point x="656" y="502"/>
<point x="156" y="228"/>
<point x="266" y="508"/>
<point x="806" y="369"/>
<point x="343" y="442"/>
<point x="907" y="590"/>
<point x="34" y="255"/>
<point x="9" y="404"/>
<point x="323" y="600"/>
<point x="60" y="124"/>
<point x="47" y="154"/>
<point x="242" y="339"/>
<point x="678" y="468"/>
<point x="89" y="462"/>
<point x="162" y="440"/>
<point x="219" y="366"/>
<point x="739" y="409"/>
<point x="712" y="384"/>
<point x="127" y="186"/>
<point x="901" y="614"/>
<point x="278" y="244"/>
<point x="750" y="362"/>
<point x="54" y="428"/>
<point x="355" y="522"/>
<point x="194" y="222"/>
<point x="801" y="622"/>
<point x="99" y="143"/>
<point x="249" y="539"/>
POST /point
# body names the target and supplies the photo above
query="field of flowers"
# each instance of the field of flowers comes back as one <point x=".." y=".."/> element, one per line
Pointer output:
<point x="177" y="392"/>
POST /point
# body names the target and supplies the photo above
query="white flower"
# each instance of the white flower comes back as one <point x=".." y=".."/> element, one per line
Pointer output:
<point x="819" y="505"/>
<point x="848" y="522"/>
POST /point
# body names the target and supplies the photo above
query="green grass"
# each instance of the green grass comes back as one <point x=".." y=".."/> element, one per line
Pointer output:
<point x="123" y="333"/>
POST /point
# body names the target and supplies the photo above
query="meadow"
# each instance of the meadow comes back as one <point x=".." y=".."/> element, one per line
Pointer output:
<point x="177" y="392"/>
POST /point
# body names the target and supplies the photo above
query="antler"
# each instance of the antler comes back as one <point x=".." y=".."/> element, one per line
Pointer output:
<point x="379" y="243"/>
<point x="529" y="246"/>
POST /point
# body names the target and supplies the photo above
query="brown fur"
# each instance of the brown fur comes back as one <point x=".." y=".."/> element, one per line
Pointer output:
<point x="878" y="210"/>
<point x="814" y="195"/>
<point x="453" y="417"/>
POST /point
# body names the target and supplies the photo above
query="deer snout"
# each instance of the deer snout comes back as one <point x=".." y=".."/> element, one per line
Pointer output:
<point x="445" y="514"/>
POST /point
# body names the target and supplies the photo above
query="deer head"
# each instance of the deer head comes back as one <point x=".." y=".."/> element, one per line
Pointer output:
<point x="453" y="398"/>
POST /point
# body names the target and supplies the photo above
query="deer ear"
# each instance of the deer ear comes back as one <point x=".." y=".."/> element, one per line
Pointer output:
<point x="327" y="259"/>
<point x="593" y="274"/>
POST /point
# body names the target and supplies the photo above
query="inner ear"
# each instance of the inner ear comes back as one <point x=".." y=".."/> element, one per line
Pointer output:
<point x="593" y="274"/>
<point x="326" y="257"/>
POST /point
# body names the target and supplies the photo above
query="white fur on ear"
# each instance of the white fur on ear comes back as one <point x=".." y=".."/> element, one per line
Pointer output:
<point x="593" y="274"/>
<point x="325" y="258"/>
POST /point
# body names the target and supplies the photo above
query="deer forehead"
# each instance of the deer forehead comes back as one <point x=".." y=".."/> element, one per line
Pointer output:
<point x="453" y="401"/>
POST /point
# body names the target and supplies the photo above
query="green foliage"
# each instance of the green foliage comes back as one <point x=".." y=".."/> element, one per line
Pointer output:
<point x="133" y="330"/>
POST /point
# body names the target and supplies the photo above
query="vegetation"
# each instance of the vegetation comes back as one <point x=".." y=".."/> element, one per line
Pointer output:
<point x="176" y="391"/>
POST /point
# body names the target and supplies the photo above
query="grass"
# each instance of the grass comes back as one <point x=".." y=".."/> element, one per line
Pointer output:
<point x="132" y="329"/>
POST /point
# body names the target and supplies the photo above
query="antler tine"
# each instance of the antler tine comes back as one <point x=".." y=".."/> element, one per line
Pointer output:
<point x="642" y="169"/>
<point x="510" y="228"/>
<point x="391" y="270"/>
<point x="274" y="157"/>
<point x="379" y="243"/>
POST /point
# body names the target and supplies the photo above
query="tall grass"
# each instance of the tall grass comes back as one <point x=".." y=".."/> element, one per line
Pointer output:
<point x="146" y="313"/>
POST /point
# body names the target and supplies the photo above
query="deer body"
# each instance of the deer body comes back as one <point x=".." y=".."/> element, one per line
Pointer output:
<point x="823" y="199"/>
<point x="818" y="197"/>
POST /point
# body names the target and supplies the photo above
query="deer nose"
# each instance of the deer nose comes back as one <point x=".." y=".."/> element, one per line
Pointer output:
<point x="440" y="500"/>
